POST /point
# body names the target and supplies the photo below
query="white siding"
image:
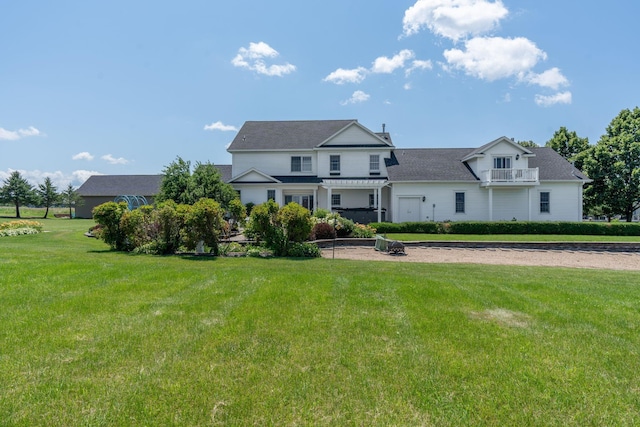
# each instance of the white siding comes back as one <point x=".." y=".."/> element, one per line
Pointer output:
<point x="276" y="163"/>
<point x="565" y="202"/>
<point x="353" y="135"/>
<point x="510" y="203"/>
<point x="353" y="163"/>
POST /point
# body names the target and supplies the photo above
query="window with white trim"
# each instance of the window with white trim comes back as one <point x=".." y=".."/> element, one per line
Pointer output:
<point x="271" y="195"/>
<point x="460" y="202"/>
<point x="502" y="162"/>
<point x="336" y="200"/>
<point x="374" y="162"/>
<point x="334" y="163"/>
<point x="300" y="163"/>
<point x="545" y="202"/>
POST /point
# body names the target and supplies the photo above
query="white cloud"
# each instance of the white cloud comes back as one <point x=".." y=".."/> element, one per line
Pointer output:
<point x="389" y="65"/>
<point x="407" y="86"/>
<point x="551" y="78"/>
<point x="221" y="127"/>
<point x="453" y="19"/>
<point x="85" y="155"/>
<point x="253" y="58"/>
<point x="492" y="58"/>
<point x="80" y="176"/>
<point x="418" y="65"/>
<point x="342" y="76"/>
<point x="357" y="97"/>
<point x="115" y="161"/>
<point x="558" y="98"/>
<point x="10" y="135"/>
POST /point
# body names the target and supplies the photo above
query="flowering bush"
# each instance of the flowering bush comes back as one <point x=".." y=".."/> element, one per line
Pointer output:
<point x="20" y="227"/>
<point x="363" y="231"/>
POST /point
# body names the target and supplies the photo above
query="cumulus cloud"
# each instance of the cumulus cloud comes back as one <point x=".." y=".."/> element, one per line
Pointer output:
<point x="253" y="58"/>
<point x="389" y="65"/>
<point x="357" y="97"/>
<point x="115" y="161"/>
<point x="454" y="19"/>
<point x="220" y="126"/>
<point x="342" y="76"/>
<point x="549" y="100"/>
<point x="85" y="155"/>
<point x="10" y="135"/>
<point x="80" y="176"/>
<point x="551" y="78"/>
<point x="492" y="58"/>
<point x="418" y="65"/>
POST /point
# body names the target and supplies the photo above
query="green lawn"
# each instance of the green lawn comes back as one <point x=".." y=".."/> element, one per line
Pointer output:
<point x="411" y="237"/>
<point x="92" y="337"/>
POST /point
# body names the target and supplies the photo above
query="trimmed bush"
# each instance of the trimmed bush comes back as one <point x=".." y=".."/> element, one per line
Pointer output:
<point x="303" y="250"/>
<point x="322" y="231"/>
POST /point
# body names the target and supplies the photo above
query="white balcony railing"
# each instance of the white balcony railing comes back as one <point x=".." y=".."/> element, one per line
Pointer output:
<point x="510" y="175"/>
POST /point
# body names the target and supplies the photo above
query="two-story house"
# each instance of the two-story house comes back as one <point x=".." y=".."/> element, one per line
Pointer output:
<point x="342" y="166"/>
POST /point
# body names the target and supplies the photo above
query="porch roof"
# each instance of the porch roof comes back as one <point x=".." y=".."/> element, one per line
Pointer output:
<point x="354" y="183"/>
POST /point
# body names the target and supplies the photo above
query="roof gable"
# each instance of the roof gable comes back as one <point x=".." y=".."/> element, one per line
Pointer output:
<point x="356" y="135"/>
<point x="481" y="151"/>
<point x="253" y="175"/>
<point x="285" y="135"/>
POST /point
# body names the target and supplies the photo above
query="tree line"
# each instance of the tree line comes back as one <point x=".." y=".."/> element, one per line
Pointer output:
<point x="612" y="165"/>
<point x="17" y="191"/>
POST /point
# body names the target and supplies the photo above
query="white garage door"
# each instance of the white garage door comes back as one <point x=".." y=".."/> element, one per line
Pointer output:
<point x="408" y="209"/>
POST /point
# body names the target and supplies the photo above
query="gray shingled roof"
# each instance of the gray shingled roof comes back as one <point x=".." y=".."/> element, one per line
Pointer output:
<point x="119" y="185"/>
<point x="132" y="185"/>
<point x="445" y="164"/>
<point x="430" y="164"/>
<point x="285" y="135"/>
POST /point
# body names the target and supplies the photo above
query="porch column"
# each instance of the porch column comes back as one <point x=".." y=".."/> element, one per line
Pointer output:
<point x="490" y="204"/>
<point x="329" y="198"/>
<point x="378" y="200"/>
<point x="529" y="201"/>
<point x="315" y="198"/>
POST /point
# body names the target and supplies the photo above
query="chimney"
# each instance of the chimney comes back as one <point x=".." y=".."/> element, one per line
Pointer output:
<point x="383" y="127"/>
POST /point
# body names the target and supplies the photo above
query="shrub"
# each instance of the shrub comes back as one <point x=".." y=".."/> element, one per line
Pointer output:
<point x="296" y="222"/>
<point x="24" y="227"/>
<point x="204" y="222"/>
<point x="303" y="250"/>
<point x="322" y="231"/>
<point x="363" y="231"/>
<point x="108" y="215"/>
<point x="320" y="213"/>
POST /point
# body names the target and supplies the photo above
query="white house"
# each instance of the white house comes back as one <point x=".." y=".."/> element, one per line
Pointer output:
<point x="342" y="166"/>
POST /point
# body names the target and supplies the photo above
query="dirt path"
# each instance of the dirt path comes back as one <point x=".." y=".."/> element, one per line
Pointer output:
<point x="550" y="258"/>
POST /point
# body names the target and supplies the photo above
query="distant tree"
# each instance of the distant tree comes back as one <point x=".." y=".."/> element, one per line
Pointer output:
<point x="176" y="182"/>
<point x="71" y="198"/>
<point x="569" y="145"/>
<point x="528" y="144"/>
<point x="614" y="166"/>
<point x="18" y="191"/>
<point x="48" y="195"/>
<point x="184" y="187"/>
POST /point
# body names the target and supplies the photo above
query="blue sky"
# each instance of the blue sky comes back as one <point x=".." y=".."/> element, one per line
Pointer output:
<point x="123" y="87"/>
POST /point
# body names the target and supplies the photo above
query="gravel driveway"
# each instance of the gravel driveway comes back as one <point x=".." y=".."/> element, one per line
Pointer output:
<point x="550" y="258"/>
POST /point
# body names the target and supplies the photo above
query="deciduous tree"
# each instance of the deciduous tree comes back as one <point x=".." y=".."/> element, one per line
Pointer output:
<point x="614" y="166"/>
<point x="569" y="145"/>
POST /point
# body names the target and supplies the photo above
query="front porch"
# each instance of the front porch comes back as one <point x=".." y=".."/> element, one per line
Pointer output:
<point x="365" y="207"/>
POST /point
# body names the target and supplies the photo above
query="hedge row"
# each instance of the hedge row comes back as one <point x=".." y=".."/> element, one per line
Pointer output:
<point x="512" y="227"/>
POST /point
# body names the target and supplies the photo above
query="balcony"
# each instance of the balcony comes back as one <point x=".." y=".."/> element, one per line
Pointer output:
<point x="509" y="177"/>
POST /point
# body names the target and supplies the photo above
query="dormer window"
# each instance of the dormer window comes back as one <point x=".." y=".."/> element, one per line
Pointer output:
<point x="300" y="163"/>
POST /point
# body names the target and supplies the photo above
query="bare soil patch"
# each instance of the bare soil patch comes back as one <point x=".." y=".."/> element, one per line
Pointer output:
<point x="532" y="257"/>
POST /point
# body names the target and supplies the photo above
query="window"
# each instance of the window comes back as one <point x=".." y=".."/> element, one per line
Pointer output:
<point x="334" y="163"/>
<point x="336" y="200"/>
<point x="303" y="200"/>
<point x="372" y="200"/>
<point x="374" y="162"/>
<point x="271" y="195"/>
<point x="300" y="163"/>
<point x="545" y="202"/>
<point x="502" y="162"/>
<point x="460" y="202"/>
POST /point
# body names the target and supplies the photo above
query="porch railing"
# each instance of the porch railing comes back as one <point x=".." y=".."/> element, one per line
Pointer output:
<point x="510" y="175"/>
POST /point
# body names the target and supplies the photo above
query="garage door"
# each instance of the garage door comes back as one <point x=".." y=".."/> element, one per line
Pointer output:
<point x="409" y="209"/>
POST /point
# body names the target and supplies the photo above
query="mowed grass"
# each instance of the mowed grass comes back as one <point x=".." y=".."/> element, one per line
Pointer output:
<point x="416" y="237"/>
<point x="93" y="337"/>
